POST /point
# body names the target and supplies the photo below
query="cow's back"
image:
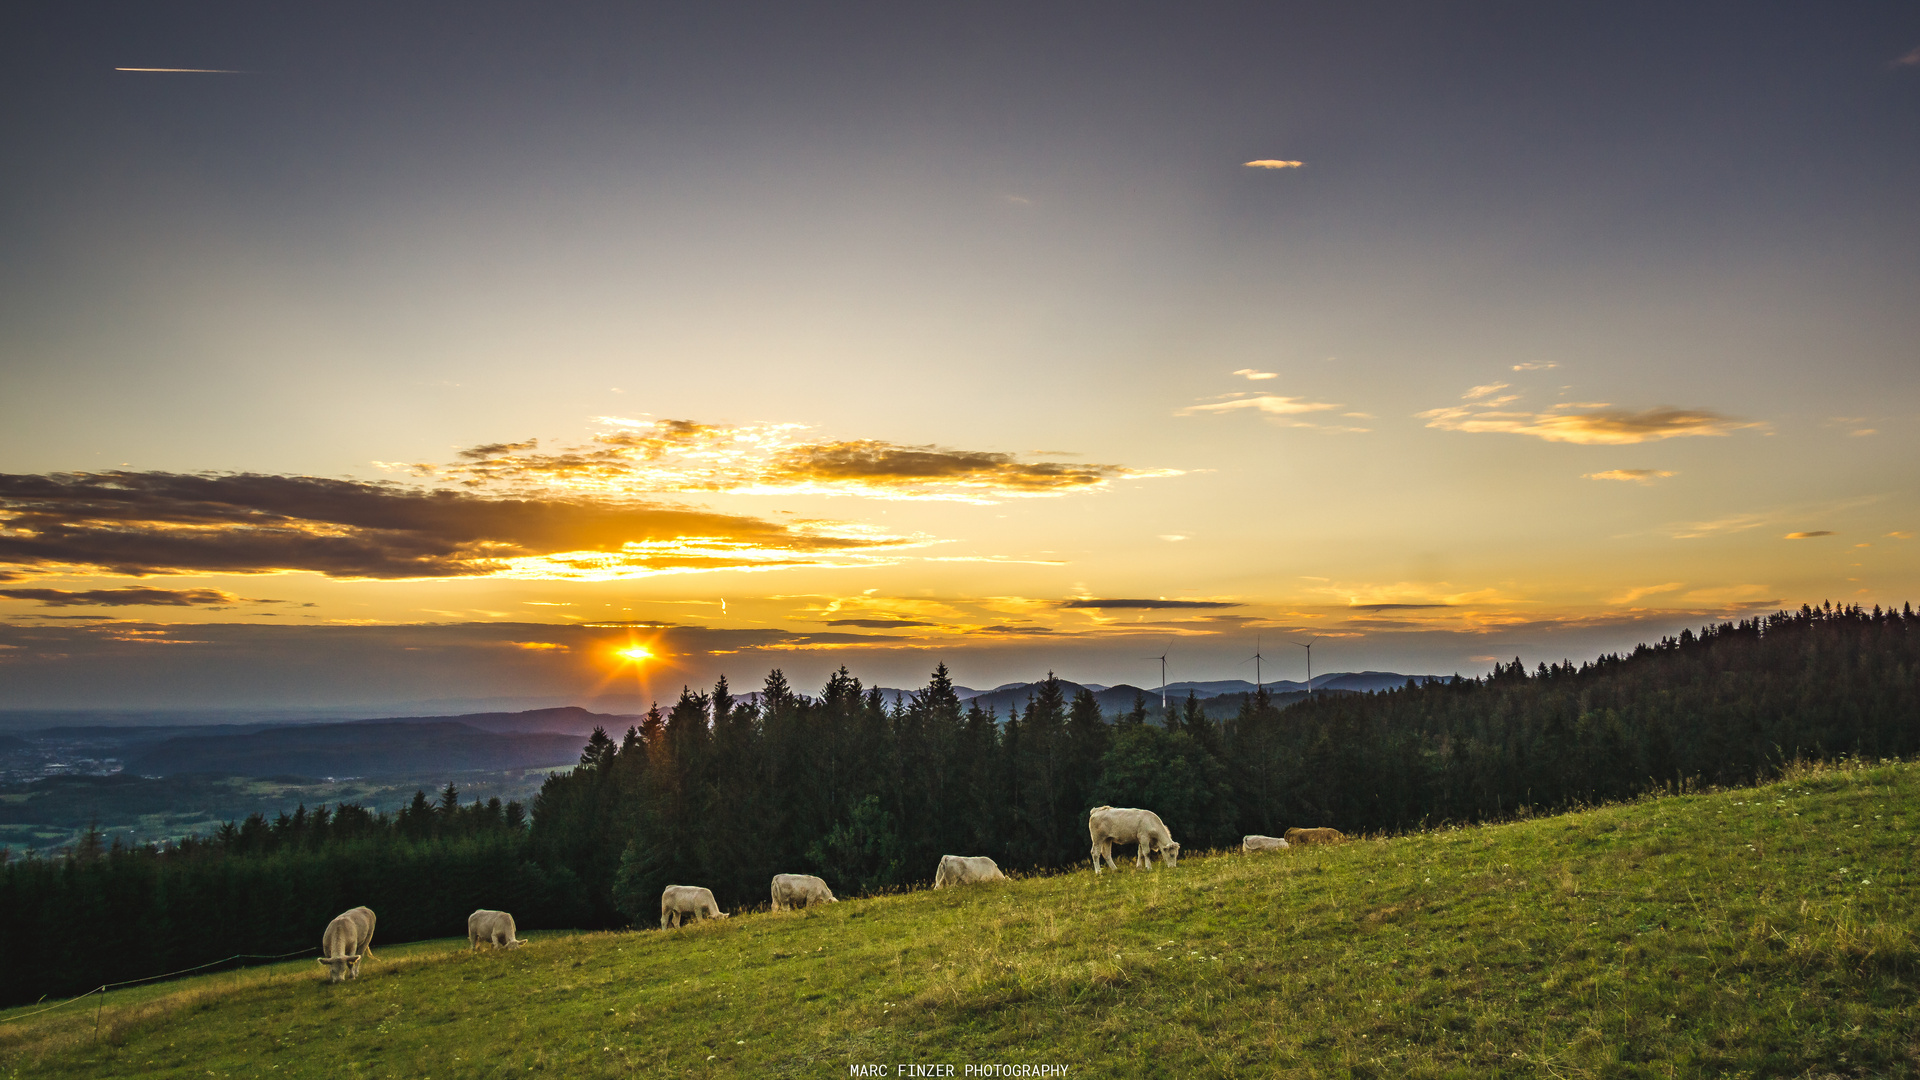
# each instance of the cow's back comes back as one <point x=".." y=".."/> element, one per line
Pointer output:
<point x="800" y="889"/>
<point x="1125" y="825"/>
<point x="493" y="927"/>
<point x="349" y="934"/>
<point x="966" y="870"/>
<point x="1316" y="836"/>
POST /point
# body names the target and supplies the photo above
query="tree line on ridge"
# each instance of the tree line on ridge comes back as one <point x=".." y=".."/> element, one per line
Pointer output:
<point x="723" y="793"/>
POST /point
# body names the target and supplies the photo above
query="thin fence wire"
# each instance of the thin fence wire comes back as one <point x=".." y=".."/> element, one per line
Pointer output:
<point x="104" y="987"/>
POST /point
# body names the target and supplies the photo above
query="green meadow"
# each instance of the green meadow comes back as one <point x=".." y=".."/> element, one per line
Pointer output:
<point x="1765" y="931"/>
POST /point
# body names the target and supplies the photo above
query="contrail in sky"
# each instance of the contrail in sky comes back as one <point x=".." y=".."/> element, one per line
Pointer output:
<point x="197" y="71"/>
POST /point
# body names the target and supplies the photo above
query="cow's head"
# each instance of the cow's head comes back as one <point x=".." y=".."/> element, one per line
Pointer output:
<point x="340" y="968"/>
<point x="515" y="943"/>
<point x="1170" y="851"/>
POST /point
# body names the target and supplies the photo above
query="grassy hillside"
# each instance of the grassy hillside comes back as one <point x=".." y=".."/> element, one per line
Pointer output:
<point x="1765" y="932"/>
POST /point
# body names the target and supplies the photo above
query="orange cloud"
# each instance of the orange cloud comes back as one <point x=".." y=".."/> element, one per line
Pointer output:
<point x="1808" y="535"/>
<point x="139" y="523"/>
<point x="674" y="456"/>
<point x="1273" y="163"/>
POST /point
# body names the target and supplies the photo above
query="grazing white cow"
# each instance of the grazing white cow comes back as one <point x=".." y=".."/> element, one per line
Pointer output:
<point x="799" y="890"/>
<point x="685" y="904"/>
<point x="1255" y="842"/>
<point x="347" y="938"/>
<point x="966" y="870"/>
<point x="1110" y="825"/>
<point x="493" y="927"/>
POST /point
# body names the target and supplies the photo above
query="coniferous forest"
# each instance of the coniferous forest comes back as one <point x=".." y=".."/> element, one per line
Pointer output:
<point x="718" y="792"/>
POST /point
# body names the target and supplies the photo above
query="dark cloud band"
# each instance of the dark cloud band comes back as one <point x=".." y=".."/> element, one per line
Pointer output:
<point x="152" y="522"/>
<point x="1124" y="604"/>
<point x="133" y="597"/>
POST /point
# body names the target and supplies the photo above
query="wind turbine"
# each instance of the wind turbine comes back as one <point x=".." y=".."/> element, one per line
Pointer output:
<point x="1163" y="674"/>
<point x="1256" y="658"/>
<point x="1309" y="647"/>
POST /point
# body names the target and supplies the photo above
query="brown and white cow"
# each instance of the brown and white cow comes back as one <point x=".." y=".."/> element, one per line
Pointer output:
<point x="1316" y="836"/>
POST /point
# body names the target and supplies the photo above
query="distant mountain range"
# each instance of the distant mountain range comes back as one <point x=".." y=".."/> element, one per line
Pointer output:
<point x="1009" y="697"/>
<point x="379" y="748"/>
<point x="535" y="738"/>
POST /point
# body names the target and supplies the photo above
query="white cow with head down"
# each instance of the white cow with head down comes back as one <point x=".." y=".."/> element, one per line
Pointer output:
<point x="347" y="938"/>
<point x="1253" y="842"/>
<point x="965" y="870"/>
<point x="493" y="927"/>
<point x="1110" y="825"/>
<point x="685" y="904"/>
<point x="799" y="890"/>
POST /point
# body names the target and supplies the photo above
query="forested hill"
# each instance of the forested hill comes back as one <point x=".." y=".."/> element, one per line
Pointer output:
<point x="870" y="796"/>
<point x="722" y="794"/>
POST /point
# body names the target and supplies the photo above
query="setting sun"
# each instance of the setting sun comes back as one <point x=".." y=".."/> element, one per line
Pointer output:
<point x="635" y="653"/>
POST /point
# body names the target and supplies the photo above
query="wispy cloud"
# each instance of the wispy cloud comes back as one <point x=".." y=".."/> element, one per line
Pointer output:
<point x="1536" y="365"/>
<point x="1597" y="427"/>
<point x="1912" y="59"/>
<point x="183" y="71"/>
<point x="1637" y="476"/>
<point x="1633" y="595"/>
<point x="1721" y="526"/>
<point x="1483" y="391"/>
<point x="1808" y="535"/>
<point x="1273" y="163"/>
<point x="1250" y="373"/>
<point x="879" y="624"/>
<point x="1272" y="404"/>
<point x="1394" y="607"/>
<point x="1734" y="596"/>
<point x="685" y="456"/>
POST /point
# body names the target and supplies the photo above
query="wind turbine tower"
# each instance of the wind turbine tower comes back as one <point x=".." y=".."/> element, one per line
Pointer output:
<point x="1256" y="658"/>
<point x="1163" y="677"/>
<point x="1309" y="647"/>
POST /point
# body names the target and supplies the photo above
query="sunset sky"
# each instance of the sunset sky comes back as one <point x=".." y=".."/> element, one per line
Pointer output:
<point x="430" y="352"/>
